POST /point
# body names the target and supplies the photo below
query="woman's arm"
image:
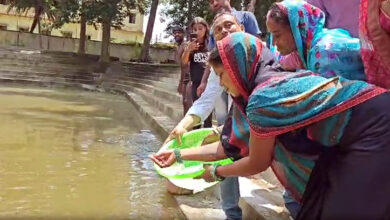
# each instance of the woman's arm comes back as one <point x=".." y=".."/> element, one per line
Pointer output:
<point x="210" y="152"/>
<point x="203" y="83"/>
<point x="259" y="159"/>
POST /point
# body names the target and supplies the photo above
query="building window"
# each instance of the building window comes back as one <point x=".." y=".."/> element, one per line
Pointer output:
<point x="4" y="2"/>
<point x="67" y="34"/>
<point x="89" y="37"/>
<point x="132" y="17"/>
<point x="23" y="29"/>
<point x="3" y="27"/>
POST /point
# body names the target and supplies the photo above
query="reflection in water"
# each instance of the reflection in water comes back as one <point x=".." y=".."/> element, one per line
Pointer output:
<point x="77" y="155"/>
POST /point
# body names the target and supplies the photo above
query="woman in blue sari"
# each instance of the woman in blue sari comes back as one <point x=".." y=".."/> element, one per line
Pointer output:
<point x="350" y="120"/>
<point x="301" y="41"/>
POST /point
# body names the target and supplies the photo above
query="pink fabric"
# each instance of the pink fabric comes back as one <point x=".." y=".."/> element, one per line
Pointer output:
<point x="291" y="62"/>
<point x="385" y="21"/>
<point x="375" y="42"/>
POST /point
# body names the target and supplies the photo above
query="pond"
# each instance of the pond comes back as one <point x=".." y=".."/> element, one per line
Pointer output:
<point x="73" y="154"/>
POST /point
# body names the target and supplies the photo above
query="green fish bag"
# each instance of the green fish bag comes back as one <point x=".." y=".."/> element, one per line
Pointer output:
<point x="188" y="169"/>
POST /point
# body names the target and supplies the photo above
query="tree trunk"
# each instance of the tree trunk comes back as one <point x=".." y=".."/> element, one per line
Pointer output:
<point x="37" y="15"/>
<point x="83" y="32"/>
<point x="189" y="18"/>
<point x="105" y="53"/>
<point x="149" y="31"/>
<point x="40" y="33"/>
<point x="251" y="6"/>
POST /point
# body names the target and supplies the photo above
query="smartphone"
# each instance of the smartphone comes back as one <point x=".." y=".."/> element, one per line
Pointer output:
<point x="193" y="36"/>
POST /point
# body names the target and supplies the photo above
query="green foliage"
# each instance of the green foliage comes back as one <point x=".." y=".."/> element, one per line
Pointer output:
<point x="261" y="12"/>
<point x="23" y="6"/>
<point x="178" y="13"/>
<point x="181" y="12"/>
<point x="97" y="11"/>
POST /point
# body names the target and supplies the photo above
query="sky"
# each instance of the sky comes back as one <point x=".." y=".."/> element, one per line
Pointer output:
<point x="158" y="27"/>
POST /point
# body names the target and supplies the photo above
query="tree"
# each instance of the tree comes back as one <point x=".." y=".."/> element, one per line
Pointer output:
<point x="260" y="11"/>
<point x="41" y="7"/>
<point x="73" y="11"/>
<point x="249" y="5"/>
<point x="144" y="57"/>
<point x="181" y="12"/>
<point x="83" y="28"/>
<point x="110" y="13"/>
<point x="107" y="13"/>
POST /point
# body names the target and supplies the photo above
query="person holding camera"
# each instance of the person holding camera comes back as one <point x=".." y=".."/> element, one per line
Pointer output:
<point x="196" y="55"/>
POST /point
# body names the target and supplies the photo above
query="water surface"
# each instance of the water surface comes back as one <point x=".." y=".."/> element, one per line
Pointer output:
<point x="77" y="155"/>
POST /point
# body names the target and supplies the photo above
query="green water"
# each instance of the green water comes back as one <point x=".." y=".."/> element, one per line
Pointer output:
<point x="74" y="154"/>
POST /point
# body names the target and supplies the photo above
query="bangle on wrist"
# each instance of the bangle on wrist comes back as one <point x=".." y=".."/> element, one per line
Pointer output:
<point x="214" y="173"/>
<point x="177" y="155"/>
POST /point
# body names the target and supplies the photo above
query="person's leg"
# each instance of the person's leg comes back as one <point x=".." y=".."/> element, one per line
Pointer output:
<point x="222" y="108"/>
<point x="194" y="87"/>
<point x="187" y="97"/>
<point x="208" y="123"/>
<point x="230" y="196"/>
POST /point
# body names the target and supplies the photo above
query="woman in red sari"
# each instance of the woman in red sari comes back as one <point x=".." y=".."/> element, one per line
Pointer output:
<point x="375" y="40"/>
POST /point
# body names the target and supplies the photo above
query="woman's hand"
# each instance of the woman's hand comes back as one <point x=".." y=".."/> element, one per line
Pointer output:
<point x="176" y="133"/>
<point x="207" y="174"/>
<point x="192" y="46"/>
<point x="181" y="88"/>
<point x="201" y="89"/>
<point x="164" y="159"/>
<point x="211" y="138"/>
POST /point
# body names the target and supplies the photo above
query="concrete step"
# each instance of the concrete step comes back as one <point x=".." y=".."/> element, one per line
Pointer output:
<point x="45" y="58"/>
<point x="169" y="80"/>
<point x="42" y="65"/>
<point x="41" y="69"/>
<point x="158" y="92"/>
<point x="161" y="123"/>
<point x="48" y="83"/>
<point x="155" y="75"/>
<point x="171" y="109"/>
<point x="162" y="68"/>
<point x="46" y="79"/>
<point x="171" y="87"/>
<point x="81" y="76"/>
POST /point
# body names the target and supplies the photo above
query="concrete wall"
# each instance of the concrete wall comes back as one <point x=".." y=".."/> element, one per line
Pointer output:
<point x="51" y="43"/>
